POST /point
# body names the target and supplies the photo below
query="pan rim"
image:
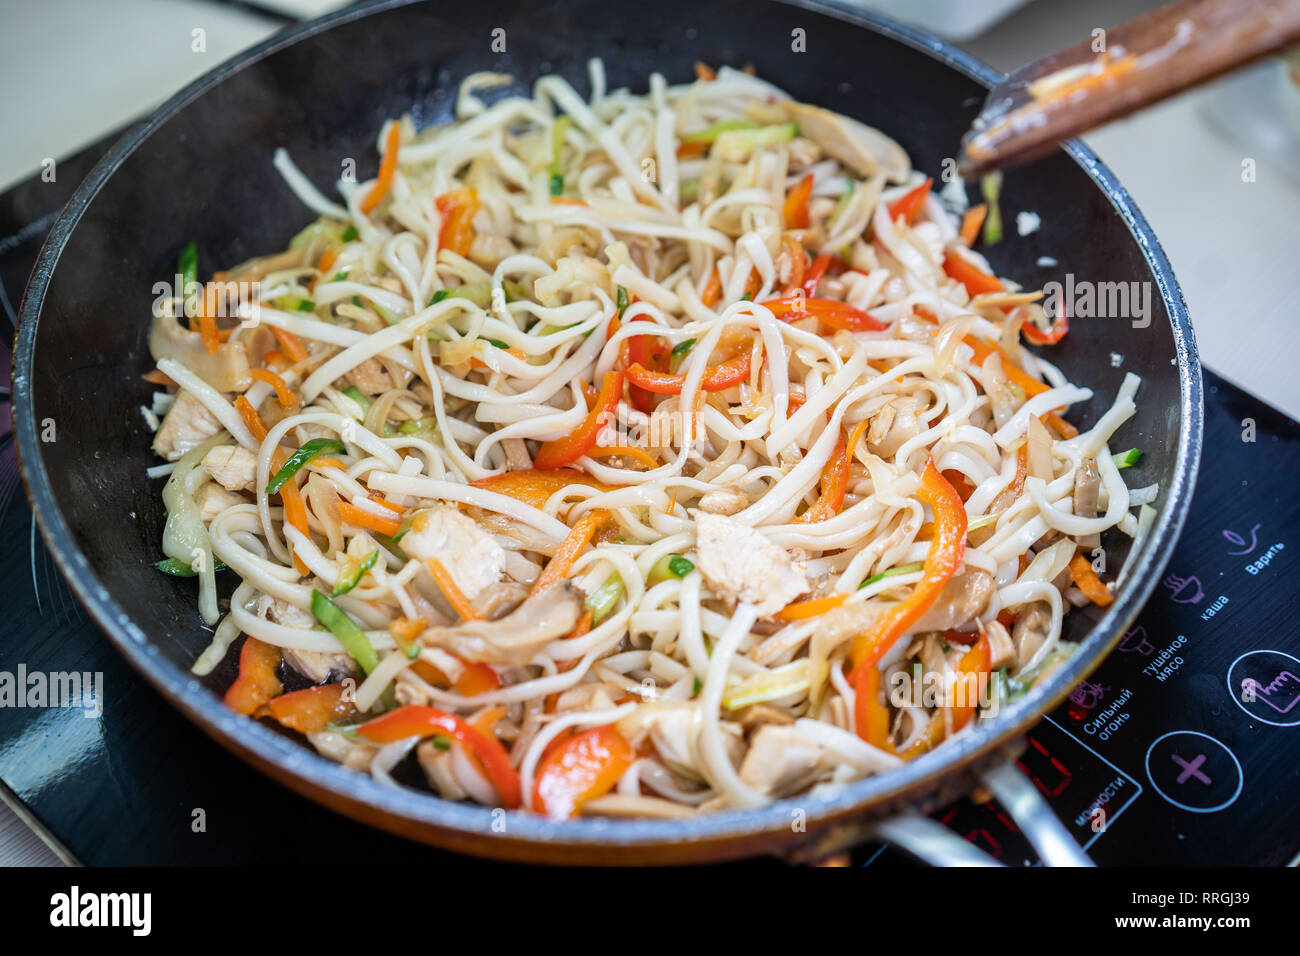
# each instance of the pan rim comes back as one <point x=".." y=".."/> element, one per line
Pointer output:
<point x="292" y="763"/>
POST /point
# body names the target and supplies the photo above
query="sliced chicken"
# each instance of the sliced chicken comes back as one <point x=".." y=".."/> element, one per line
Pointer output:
<point x="469" y="553"/>
<point x="1002" y="648"/>
<point x="187" y="425"/>
<point x="515" y="639"/>
<point x="212" y="499"/>
<point x="316" y="666"/>
<point x="1030" y="631"/>
<point x="233" y="467"/>
<point x="724" y="501"/>
<point x="335" y="746"/>
<point x="487" y="251"/>
<point x="964" y="597"/>
<point x="782" y="761"/>
<point x="897" y="422"/>
<point x="858" y="146"/>
<point x="370" y="377"/>
<point x="742" y="564"/>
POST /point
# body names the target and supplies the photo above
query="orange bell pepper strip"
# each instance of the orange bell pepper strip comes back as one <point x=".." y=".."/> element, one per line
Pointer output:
<point x="832" y="313"/>
<point x="573" y="544"/>
<point x="875" y="728"/>
<point x="414" y="720"/>
<point x="716" y="377"/>
<point x="975" y="279"/>
<point x="944" y="558"/>
<point x="908" y="205"/>
<point x="971" y="223"/>
<point x="584" y="766"/>
<point x="387" y="169"/>
<point x="290" y="344"/>
<point x="813" y="607"/>
<point x="309" y="710"/>
<point x="796" y="204"/>
<point x="835" y="482"/>
<point x="1091" y="585"/>
<point x="1060" y="326"/>
<point x="972" y="679"/>
<point x="295" y="509"/>
<point x="535" y="486"/>
<point x="458" y="209"/>
<point x="567" y="450"/>
<point x="477" y="678"/>
<point x="258" y="681"/>
<point x="712" y="288"/>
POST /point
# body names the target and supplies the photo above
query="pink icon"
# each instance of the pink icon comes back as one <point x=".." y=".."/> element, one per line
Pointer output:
<point x="1136" y="642"/>
<point x="1087" y="695"/>
<point x="1239" y="541"/>
<point x="1192" y="769"/>
<point x="1276" y="689"/>
<point x="1184" y="590"/>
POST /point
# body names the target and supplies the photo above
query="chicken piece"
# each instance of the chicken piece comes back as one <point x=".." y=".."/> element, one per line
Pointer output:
<point x="1087" y="484"/>
<point x="672" y="731"/>
<point x="782" y="761"/>
<point x="438" y="770"/>
<point x="316" y="666"/>
<point x="724" y="501"/>
<point x="757" y="716"/>
<point x="487" y="251"/>
<point x="742" y="564"/>
<point x="469" y="553"/>
<point x="897" y="422"/>
<point x="212" y="499"/>
<point x="860" y="147"/>
<point x="1002" y="649"/>
<point x="964" y="597"/>
<point x="515" y="639"/>
<point x="1029" y="633"/>
<point x="187" y="425"/>
<point x="370" y="377"/>
<point x="233" y="467"/>
<point x="335" y="746"/>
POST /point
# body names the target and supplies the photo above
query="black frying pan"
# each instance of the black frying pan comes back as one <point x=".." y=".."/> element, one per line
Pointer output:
<point x="200" y="168"/>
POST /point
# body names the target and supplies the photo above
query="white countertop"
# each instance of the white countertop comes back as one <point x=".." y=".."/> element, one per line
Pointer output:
<point x="76" y="69"/>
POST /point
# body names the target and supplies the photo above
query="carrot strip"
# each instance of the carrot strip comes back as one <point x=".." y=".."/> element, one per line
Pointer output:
<point x="364" y="519"/>
<point x="291" y="344"/>
<point x="295" y="512"/>
<point x="972" y="222"/>
<point x="712" y="289"/>
<point x="157" y="377"/>
<point x="387" y="167"/>
<point x="253" y="420"/>
<point x="1091" y="585"/>
<point x="455" y="596"/>
<point x="815" y="607"/>
<point x="384" y="503"/>
<point x="208" y="321"/>
<point x="283" y="393"/>
<point x="1063" y="428"/>
<point x="573" y="544"/>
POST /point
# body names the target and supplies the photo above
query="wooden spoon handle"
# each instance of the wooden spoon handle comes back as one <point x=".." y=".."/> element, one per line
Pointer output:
<point x="1120" y="70"/>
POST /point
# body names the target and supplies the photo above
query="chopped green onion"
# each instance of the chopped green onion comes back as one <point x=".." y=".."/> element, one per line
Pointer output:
<point x="990" y="187"/>
<point x="180" y="569"/>
<point x="340" y="276"/>
<point x="293" y="303"/>
<point x="1128" y="459"/>
<point x="696" y="688"/>
<point x="439" y="296"/>
<point x="688" y="190"/>
<point x="736" y="145"/>
<point x="679" y="353"/>
<point x="309" y="450"/>
<point x="350" y="233"/>
<point x="415" y="426"/>
<point x="560" y="130"/>
<point x="351" y="577"/>
<point x="352" y="638"/>
<point x="710" y="133"/>
<point x="497" y="342"/>
<point x="356" y="395"/>
<point x="188" y="267"/>
<point x="982" y="521"/>
<point x="769" y="685"/>
<point x="602" y="600"/>
<point x="669" y="566"/>
<point x="901" y="569"/>
<point x="402" y="530"/>
<point x="621" y="300"/>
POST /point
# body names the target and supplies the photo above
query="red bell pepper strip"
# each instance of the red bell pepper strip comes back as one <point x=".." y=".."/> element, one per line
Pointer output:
<point x="567" y="450"/>
<point x="716" y="377"/>
<point x="835" y="482"/>
<point x="972" y="679"/>
<point x="584" y="766"/>
<point x="832" y="313"/>
<point x="414" y="720"/>
<point x="796" y="204"/>
<point x="258" y="681"/>
<point x="309" y="710"/>
<point x="636" y="351"/>
<point x="947" y="546"/>
<point x="815" y="273"/>
<point x="907" y="206"/>
<point x="975" y="279"/>
<point x="458" y="209"/>
<point x="1060" y="326"/>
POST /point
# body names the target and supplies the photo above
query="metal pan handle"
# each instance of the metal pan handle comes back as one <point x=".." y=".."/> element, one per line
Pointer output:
<point x="937" y="845"/>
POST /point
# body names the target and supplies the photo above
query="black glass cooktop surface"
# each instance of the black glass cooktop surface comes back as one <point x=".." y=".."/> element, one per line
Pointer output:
<point x="1183" y="748"/>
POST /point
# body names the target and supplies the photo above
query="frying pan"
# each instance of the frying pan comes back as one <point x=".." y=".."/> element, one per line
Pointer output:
<point x="200" y="168"/>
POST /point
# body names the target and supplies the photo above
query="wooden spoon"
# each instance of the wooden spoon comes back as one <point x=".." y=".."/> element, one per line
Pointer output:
<point x="1120" y="70"/>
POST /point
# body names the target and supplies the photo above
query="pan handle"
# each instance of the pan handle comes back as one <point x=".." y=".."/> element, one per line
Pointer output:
<point x="937" y="845"/>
